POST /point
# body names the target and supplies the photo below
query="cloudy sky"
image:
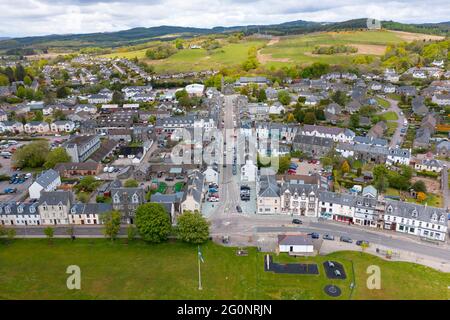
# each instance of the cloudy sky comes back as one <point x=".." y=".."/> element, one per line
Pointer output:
<point x="41" y="17"/>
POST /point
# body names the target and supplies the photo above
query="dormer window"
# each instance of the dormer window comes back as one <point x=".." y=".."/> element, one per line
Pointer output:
<point x="135" y="198"/>
<point x="7" y="209"/>
<point x="389" y="209"/>
<point x="19" y="209"/>
<point x="434" y="217"/>
<point x="442" y="218"/>
<point x="116" y="198"/>
<point x="414" y="213"/>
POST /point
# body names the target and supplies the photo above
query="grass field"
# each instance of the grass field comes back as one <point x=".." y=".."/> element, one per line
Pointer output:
<point x="290" y="50"/>
<point x="197" y="59"/>
<point x="390" y="116"/>
<point x="33" y="269"/>
<point x="298" y="49"/>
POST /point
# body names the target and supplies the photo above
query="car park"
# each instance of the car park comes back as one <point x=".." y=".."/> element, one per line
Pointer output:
<point x="328" y="237"/>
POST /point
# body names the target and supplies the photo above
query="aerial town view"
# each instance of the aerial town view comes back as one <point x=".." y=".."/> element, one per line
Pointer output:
<point x="254" y="150"/>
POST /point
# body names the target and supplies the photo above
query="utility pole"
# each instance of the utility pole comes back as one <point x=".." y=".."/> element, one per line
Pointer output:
<point x="199" y="269"/>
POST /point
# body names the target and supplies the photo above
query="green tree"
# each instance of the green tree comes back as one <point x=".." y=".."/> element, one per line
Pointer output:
<point x="20" y="72"/>
<point x="59" y="115"/>
<point x="354" y="120"/>
<point x="38" y="115"/>
<point x="4" y="81"/>
<point x="283" y="164"/>
<point x="111" y="224"/>
<point x="57" y="155"/>
<point x="310" y="118"/>
<point x="87" y="184"/>
<point x="49" y="233"/>
<point x="339" y="97"/>
<point x="131" y="233"/>
<point x="179" y="43"/>
<point x="192" y="227"/>
<point x="284" y="97"/>
<point x="117" y="97"/>
<point x="32" y="155"/>
<point x="262" y="95"/>
<point x="131" y="183"/>
<point x="27" y="80"/>
<point x="153" y="222"/>
<point x="62" y="92"/>
<point x="419" y="186"/>
<point x="345" y="167"/>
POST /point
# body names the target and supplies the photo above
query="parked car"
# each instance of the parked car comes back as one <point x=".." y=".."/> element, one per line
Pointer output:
<point x="328" y="237"/>
<point x="330" y="264"/>
<point x="297" y="221"/>
<point x="314" y="235"/>
<point x="361" y="242"/>
<point x="239" y="209"/>
<point x="10" y="190"/>
<point x="337" y="273"/>
<point x="346" y="239"/>
<point x="169" y="179"/>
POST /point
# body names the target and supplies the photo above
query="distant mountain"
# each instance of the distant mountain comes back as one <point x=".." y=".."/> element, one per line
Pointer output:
<point x="142" y="35"/>
<point x="4" y="38"/>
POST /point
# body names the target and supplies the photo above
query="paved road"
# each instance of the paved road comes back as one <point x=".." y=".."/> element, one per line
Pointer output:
<point x="241" y="225"/>
<point x="397" y="139"/>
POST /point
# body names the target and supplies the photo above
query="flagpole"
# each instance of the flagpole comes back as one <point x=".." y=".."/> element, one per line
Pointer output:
<point x="199" y="272"/>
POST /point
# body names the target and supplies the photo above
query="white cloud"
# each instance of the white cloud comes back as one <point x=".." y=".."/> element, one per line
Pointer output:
<point x="39" y="17"/>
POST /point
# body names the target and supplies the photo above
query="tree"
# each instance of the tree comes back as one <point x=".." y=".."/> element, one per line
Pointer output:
<point x="20" y="72"/>
<point x="59" y="115"/>
<point x="421" y="196"/>
<point x="62" y="92"/>
<point x="131" y="183"/>
<point x="262" y="95"/>
<point x="153" y="222"/>
<point x="131" y="233"/>
<point x="192" y="227"/>
<point x="111" y="223"/>
<point x="283" y="164"/>
<point x="345" y="168"/>
<point x="339" y="97"/>
<point x="4" y="81"/>
<point x="27" y="80"/>
<point x="290" y="117"/>
<point x="32" y="155"/>
<point x="179" y="43"/>
<point x="284" y="97"/>
<point x="38" y="115"/>
<point x="310" y="118"/>
<point x="87" y="184"/>
<point x="419" y="186"/>
<point x="354" y="120"/>
<point x="49" y="233"/>
<point x="117" y="97"/>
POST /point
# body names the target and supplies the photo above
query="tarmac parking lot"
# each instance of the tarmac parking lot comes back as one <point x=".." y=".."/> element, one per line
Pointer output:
<point x="305" y="168"/>
<point x="22" y="191"/>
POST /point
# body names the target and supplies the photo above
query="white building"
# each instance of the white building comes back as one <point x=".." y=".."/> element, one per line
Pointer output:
<point x="62" y="126"/>
<point x="211" y="175"/>
<point x="431" y="165"/>
<point x="249" y="171"/>
<point x="295" y="244"/>
<point x="195" y="90"/>
<point x="47" y="181"/>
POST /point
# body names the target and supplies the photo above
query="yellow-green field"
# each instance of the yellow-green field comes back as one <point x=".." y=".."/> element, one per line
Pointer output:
<point x="279" y="51"/>
<point x="197" y="59"/>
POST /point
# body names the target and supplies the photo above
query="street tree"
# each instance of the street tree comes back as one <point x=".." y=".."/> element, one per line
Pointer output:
<point x="192" y="227"/>
<point x="153" y="222"/>
<point x="111" y="224"/>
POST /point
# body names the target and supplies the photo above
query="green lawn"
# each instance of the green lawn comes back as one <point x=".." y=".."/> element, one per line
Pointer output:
<point x="389" y="116"/>
<point x="382" y="102"/>
<point x="33" y="269"/>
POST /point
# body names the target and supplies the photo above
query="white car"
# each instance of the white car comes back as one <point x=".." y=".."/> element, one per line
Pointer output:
<point x="105" y="169"/>
<point x="111" y="169"/>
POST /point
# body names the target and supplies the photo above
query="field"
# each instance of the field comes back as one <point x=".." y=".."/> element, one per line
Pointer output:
<point x="197" y="59"/>
<point x="298" y="49"/>
<point x="278" y="52"/>
<point x="34" y="269"/>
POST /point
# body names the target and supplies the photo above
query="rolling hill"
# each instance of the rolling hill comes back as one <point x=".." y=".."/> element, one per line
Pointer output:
<point x="142" y="35"/>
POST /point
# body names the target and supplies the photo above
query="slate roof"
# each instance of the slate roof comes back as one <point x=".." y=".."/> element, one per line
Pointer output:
<point x="294" y="240"/>
<point x="56" y="197"/>
<point x="46" y="178"/>
<point x="424" y="213"/>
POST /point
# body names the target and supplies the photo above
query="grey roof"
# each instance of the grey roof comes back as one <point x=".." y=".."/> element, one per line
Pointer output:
<point x="29" y="208"/>
<point x="56" y="197"/>
<point x="129" y="192"/>
<point x="443" y="145"/>
<point x="313" y="140"/>
<point x="423" y="213"/>
<point x="299" y="188"/>
<point x="294" y="240"/>
<point x="90" y="208"/>
<point x="268" y="187"/>
<point x="370" y="141"/>
<point x="46" y="178"/>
